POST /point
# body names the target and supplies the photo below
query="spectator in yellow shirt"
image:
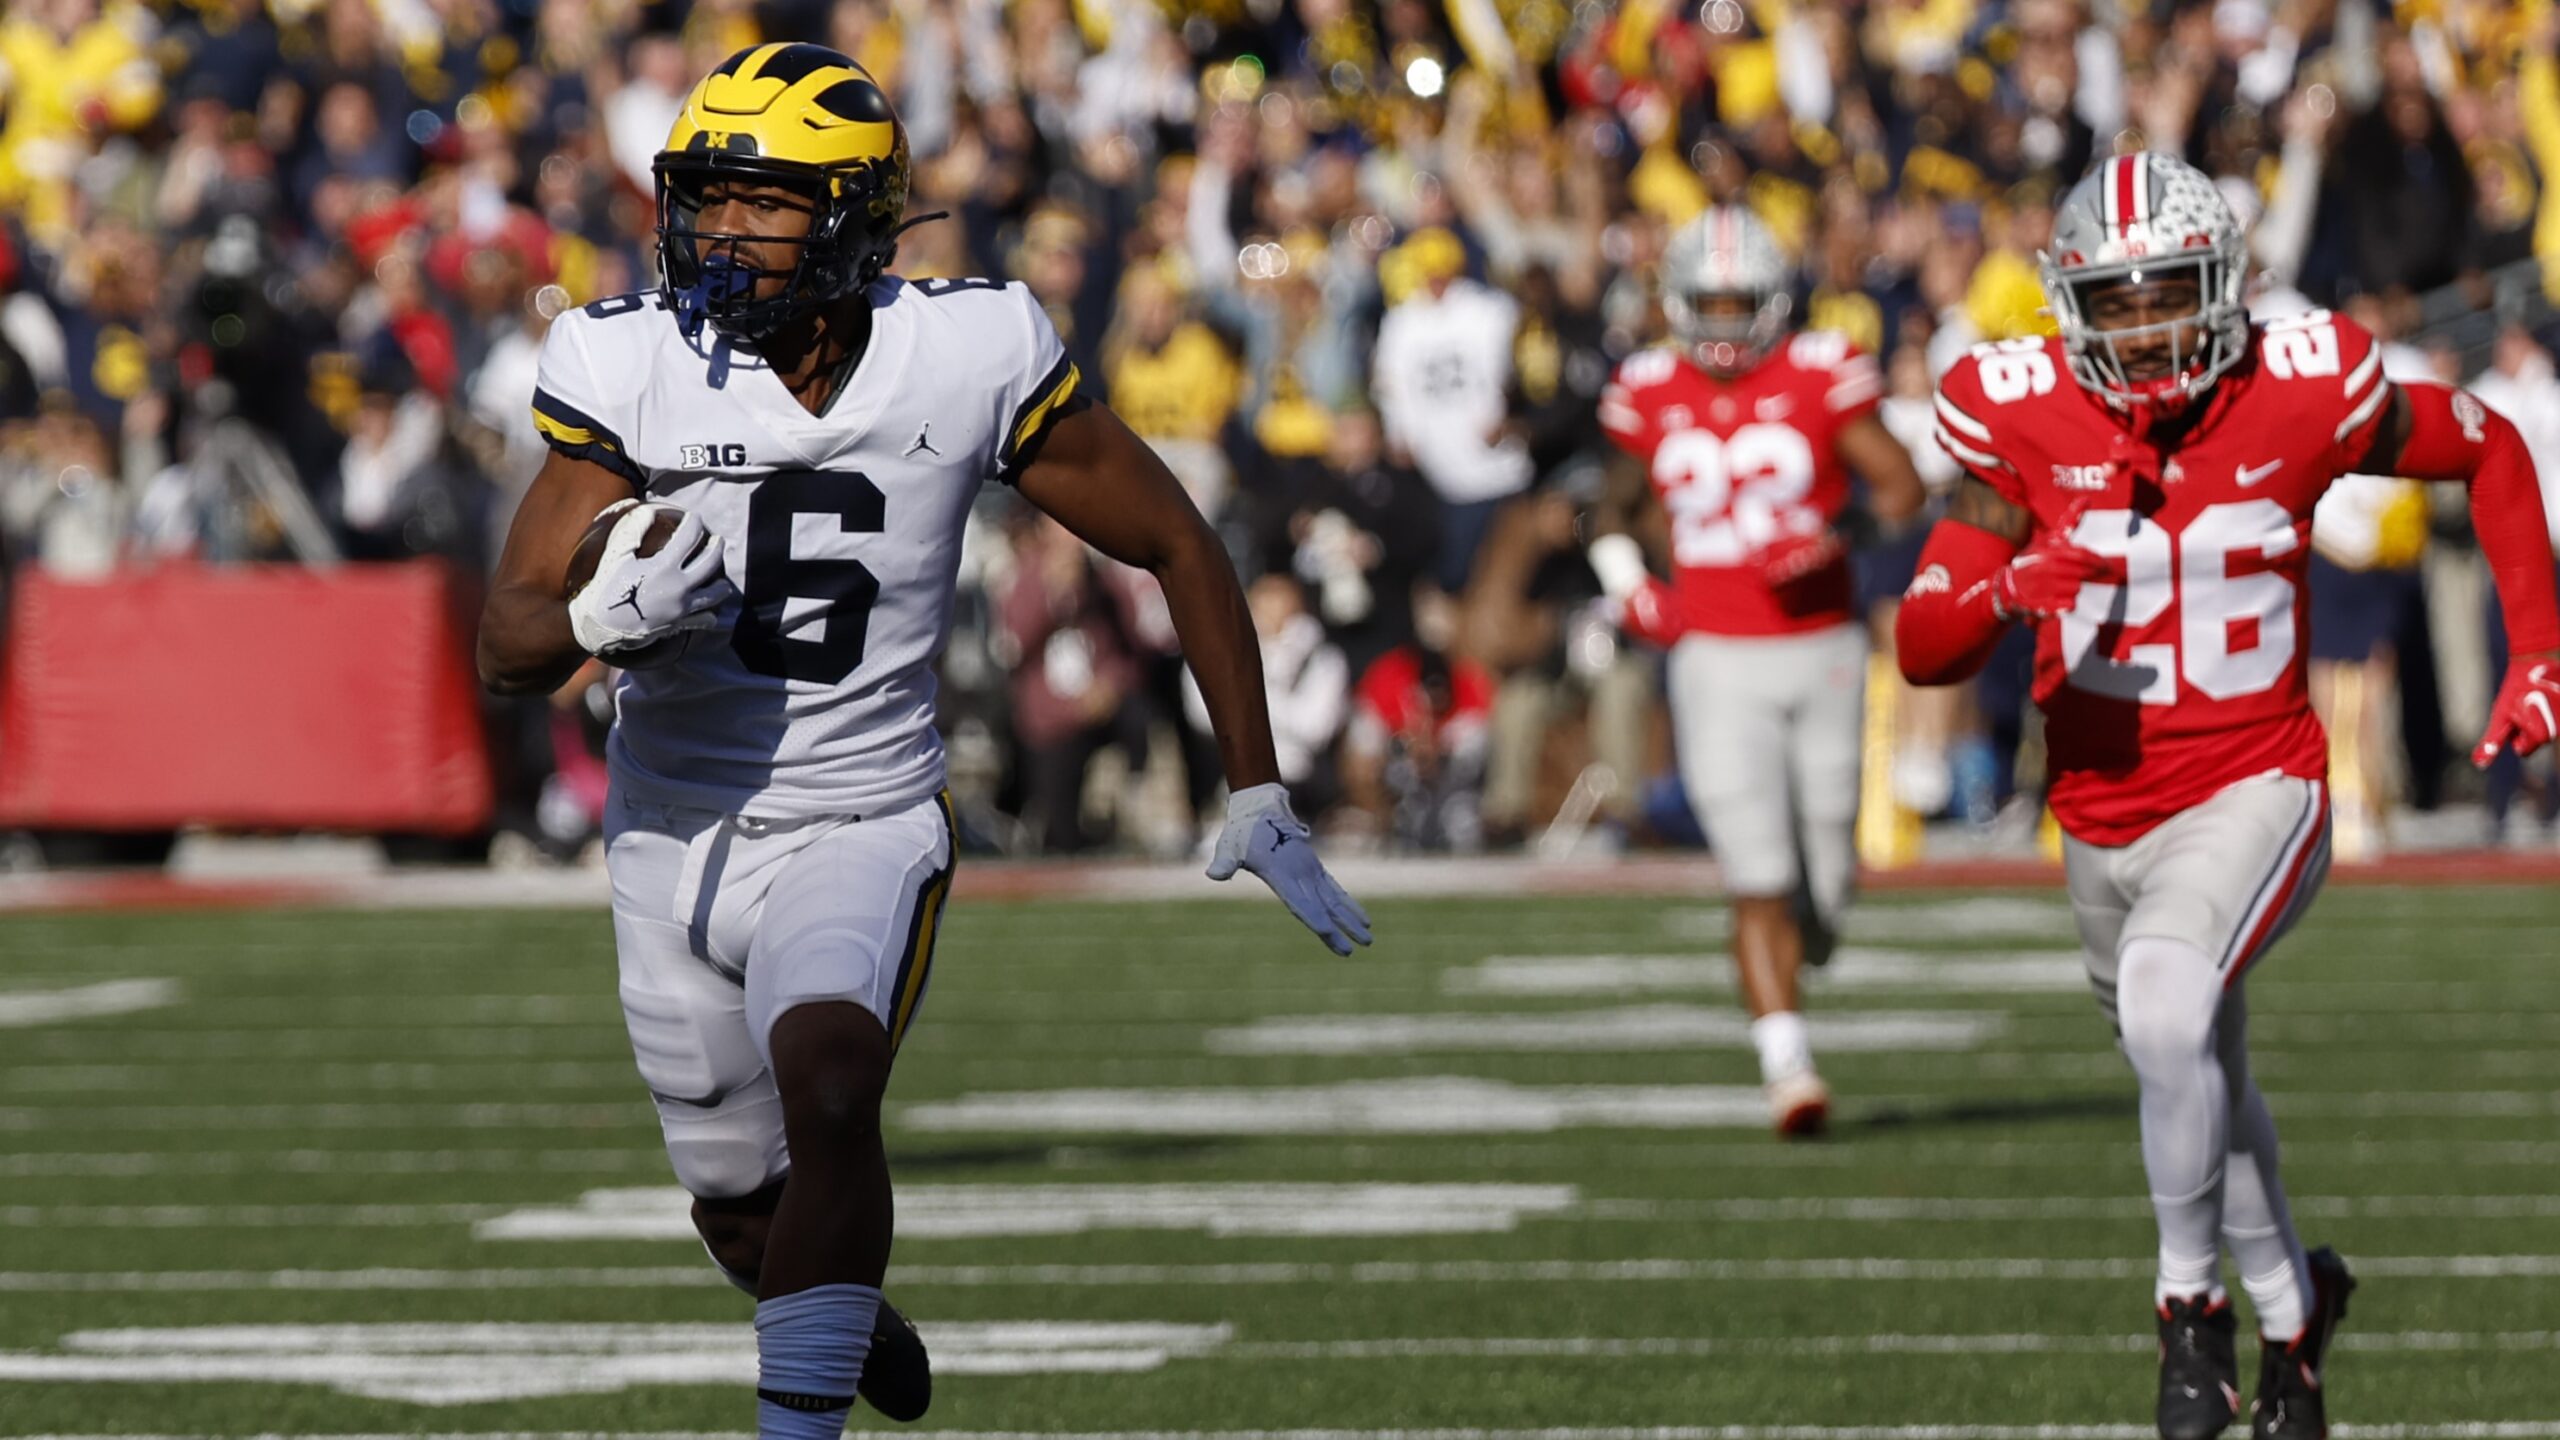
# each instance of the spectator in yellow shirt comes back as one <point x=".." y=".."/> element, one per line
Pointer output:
<point x="71" y="73"/>
<point x="1174" y="381"/>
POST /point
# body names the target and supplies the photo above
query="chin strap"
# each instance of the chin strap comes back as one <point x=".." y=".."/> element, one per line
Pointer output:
<point x="906" y="225"/>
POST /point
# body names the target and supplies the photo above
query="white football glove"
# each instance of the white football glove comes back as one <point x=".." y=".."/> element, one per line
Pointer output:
<point x="1264" y="836"/>
<point x="637" y="600"/>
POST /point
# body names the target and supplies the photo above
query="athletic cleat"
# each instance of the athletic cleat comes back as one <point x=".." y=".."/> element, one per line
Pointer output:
<point x="2199" y="1371"/>
<point x="1799" y="1105"/>
<point x="897" y="1379"/>
<point x="2290" y="1403"/>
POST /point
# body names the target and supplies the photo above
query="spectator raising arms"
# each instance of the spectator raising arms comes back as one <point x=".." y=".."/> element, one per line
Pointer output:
<point x="1355" y="272"/>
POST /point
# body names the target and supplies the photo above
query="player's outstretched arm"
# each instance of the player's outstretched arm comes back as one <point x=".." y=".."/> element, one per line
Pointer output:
<point x="1102" y="482"/>
<point x="526" y="643"/>
<point x="2434" y="432"/>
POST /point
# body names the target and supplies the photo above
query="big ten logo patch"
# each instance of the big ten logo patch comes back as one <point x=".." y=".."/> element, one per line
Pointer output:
<point x="708" y="457"/>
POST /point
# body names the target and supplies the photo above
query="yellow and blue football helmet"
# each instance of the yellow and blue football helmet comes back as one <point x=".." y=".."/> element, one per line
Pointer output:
<point x="799" y="117"/>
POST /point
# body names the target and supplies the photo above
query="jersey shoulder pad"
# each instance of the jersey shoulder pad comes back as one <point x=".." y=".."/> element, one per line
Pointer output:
<point x="1851" y="382"/>
<point x="1646" y="370"/>
<point x="1977" y="402"/>
<point x="1628" y="402"/>
<point x="969" y="301"/>
<point x="997" y="329"/>
<point x="1819" y="349"/>
<point x="2328" y="364"/>
<point x="593" y="361"/>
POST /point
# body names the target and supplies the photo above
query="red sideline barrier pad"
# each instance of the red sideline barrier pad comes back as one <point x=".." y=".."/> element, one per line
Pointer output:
<point x="255" y="697"/>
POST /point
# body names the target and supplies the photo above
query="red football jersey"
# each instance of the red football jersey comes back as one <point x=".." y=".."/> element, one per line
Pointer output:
<point x="2188" y="677"/>
<point x="1743" y="462"/>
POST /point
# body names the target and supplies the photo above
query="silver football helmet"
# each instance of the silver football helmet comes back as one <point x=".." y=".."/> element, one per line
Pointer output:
<point x="2137" y="218"/>
<point x="1726" y="252"/>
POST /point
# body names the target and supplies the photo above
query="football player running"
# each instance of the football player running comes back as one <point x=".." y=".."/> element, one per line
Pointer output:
<point x="2140" y="490"/>
<point x="779" y="845"/>
<point x="1746" y="435"/>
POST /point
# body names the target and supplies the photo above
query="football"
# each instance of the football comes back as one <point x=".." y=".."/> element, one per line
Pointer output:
<point x="590" y="553"/>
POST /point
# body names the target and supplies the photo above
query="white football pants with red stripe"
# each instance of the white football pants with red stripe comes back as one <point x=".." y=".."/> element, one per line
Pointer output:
<point x="2171" y="923"/>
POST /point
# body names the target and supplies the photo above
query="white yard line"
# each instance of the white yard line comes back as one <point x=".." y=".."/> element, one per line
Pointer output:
<point x="1881" y="1151"/>
<point x="333" y="1042"/>
<point x="1900" y="1209"/>
<point x="465" y="1363"/>
<point x="947" y="1212"/>
<point x="40" y="1163"/>
<point x="1854" y="968"/>
<point x="2458" y="1430"/>
<point x="1423" y="1105"/>
<point x="1428" y="1105"/>
<point x="2372" y="1105"/>
<point x="332" y="1077"/>
<point x="1965" y="918"/>
<point x="2079" y="1156"/>
<point x="1460" y="1105"/>
<point x="423" y="1012"/>
<point x="240" y="1217"/>
<point x="1853" y="1269"/>
<point x="1964" y="1431"/>
<point x="20" y="1009"/>
<point x="1578" y="1347"/>
<point x="2453" y="1430"/>
<point x="1630" y="1028"/>
<point x="456" y="1364"/>
<point x="355" y="1115"/>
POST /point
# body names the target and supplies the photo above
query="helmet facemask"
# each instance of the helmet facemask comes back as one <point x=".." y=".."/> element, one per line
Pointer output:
<point x="2198" y="346"/>
<point x="851" y="239"/>
<point x="1727" y="331"/>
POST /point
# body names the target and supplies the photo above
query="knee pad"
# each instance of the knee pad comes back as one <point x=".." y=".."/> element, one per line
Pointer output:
<point x="730" y="1149"/>
<point x="2167" y="996"/>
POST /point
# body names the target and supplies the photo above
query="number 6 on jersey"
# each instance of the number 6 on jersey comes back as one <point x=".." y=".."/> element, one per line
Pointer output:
<point x="805" y="617"/>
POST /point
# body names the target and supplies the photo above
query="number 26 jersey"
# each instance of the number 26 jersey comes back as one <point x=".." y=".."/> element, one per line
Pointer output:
<point x="2188" y="677"/>
<point x="814" y="694"/>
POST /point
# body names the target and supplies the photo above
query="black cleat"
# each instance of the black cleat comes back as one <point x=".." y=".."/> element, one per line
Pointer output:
<point x="897" y="1378"/>
<point x="2199" y="1373"/>
<point x="2290" y="1403"/>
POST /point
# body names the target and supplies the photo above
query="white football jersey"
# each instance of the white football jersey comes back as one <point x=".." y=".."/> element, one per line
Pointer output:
<point x="815" y="693"/>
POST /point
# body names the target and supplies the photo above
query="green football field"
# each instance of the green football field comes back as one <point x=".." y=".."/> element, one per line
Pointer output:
<point x="1171" y="1167"/>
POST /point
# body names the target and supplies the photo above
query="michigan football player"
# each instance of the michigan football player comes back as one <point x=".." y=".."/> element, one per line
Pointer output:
<point x="778" y="840"/>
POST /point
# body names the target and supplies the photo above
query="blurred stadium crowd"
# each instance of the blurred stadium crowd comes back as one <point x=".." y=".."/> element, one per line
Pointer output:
<point x="274" y="274"/>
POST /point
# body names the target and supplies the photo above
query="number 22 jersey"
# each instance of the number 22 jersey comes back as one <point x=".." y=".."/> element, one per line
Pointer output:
<point x="814" y="695"/>
<point x="1740" y="463"/>
<point x="2189" y="676"/>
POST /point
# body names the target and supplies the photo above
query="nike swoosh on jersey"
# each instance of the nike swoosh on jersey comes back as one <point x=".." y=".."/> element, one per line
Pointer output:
<point x="2249" y="475"/>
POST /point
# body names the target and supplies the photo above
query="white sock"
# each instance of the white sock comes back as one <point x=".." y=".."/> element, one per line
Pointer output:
<point x="2184" y="1277"/>
<point x="2279" y="1297"/>
<point x="1784" y="1048"/>
<point x="2256" y="1223"/>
